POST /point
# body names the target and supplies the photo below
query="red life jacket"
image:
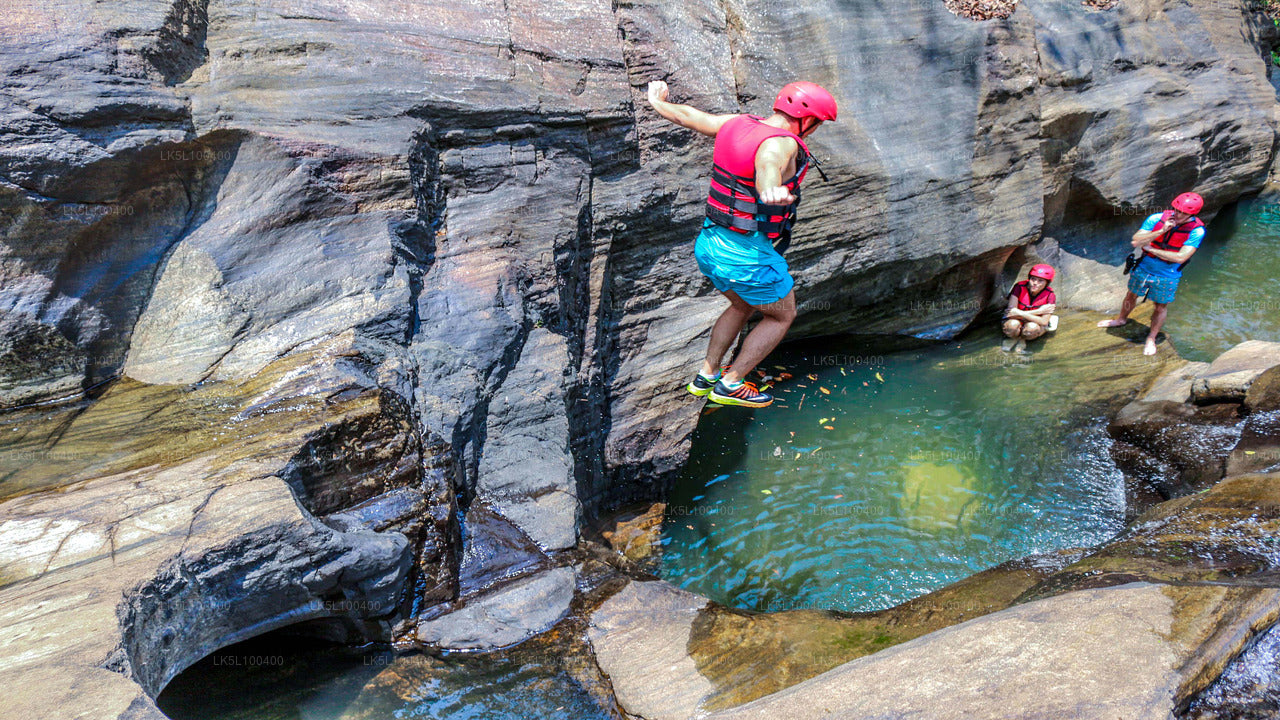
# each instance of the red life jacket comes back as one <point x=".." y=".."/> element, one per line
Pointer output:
<point x="732" y="201"/>
<point x="1027" y="301"/>
<point x="1175" y="237"/>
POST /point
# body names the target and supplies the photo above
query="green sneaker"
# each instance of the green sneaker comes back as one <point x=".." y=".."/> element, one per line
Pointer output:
<point x="701" y="386"/>
<point x="745" y="395"/>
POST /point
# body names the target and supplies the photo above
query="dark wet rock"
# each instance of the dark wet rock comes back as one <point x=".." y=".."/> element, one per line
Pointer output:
<point x="1119" y="135"/>
<point x="1228" y="377"/>
<point x="1249" y="689"/>
<point x="1174" y="448"/>
<point x="1259" y="447"/>
<point x="479" y="205"/>
<point x="180" y="209"/>
<point x="505" y="617"/>
<point x="494" y="551"/>
<point x="527" y="471"/>
<point x="1224" y="534"/>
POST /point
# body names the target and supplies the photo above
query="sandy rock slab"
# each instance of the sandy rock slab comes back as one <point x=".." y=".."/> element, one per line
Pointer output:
<point x="1126" y="652"/>
<point x="163" y="536"/>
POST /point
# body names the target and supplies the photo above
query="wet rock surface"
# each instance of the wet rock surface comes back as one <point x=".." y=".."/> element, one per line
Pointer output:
<point x="669" y="653"/>
<point x="1131" y="651"/>
<point x="153" y="553"/>
<point x="504" y="618"/>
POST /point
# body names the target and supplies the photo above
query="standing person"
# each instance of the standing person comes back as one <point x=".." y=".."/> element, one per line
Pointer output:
<point x="758" y="164"/>
<point x="1167" y="241"/>
<point x="1031" y="305"/>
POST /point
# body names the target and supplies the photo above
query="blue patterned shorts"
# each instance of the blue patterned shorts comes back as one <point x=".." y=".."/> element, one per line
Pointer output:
<point x="1157" y="289"/>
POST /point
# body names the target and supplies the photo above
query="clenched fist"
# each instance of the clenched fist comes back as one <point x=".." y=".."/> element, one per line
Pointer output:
<point x="657" y="92"/>
<point x="777" y="195"/>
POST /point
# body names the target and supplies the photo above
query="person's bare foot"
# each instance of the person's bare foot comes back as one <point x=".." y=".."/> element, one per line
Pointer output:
<point x="1113" y="322"/>
<point x="1149" y="348"/>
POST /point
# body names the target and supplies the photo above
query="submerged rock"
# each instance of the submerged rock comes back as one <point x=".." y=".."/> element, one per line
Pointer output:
<point x="505" y="617"/>
<point x="672" y="654"/>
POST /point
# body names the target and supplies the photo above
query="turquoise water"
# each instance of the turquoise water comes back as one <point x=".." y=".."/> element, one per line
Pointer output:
<point x="911" y="471"/>
<point x="265" y="680"/>
<point x="1230" y="292"/>
<point x="921" y="468"/>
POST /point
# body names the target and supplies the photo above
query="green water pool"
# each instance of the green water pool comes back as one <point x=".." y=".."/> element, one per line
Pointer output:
<point x="1230" y="291"/>
<point x="871" y="482"/>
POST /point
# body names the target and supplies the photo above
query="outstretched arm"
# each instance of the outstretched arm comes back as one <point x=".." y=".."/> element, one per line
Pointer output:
<point x="684" y="115"/>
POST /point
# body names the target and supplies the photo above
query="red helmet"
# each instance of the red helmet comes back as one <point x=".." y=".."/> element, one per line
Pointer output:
<point x="1189" y="203"/>
<point x="1041" y="271"/>
<point x="805" y="99"/>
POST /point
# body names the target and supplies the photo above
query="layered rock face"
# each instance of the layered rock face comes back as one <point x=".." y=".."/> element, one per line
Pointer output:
<point x="471" y="211"/>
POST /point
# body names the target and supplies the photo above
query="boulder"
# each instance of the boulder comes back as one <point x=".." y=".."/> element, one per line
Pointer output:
<point x="1263" y="394"/>
<point x="639" y="638"/>
<point x="1175" y="385"/>
<point x="1228" y="377"/>
<point x="711" y="657"/>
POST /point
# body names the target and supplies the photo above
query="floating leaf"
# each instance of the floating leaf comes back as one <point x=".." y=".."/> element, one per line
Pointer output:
<point x="766" y="492"/>
<point x="879" y="377"/>
<point x="837" y="497"/>
<point x="797" y="457"/>
<point x="824" y="421"/>
<point x="1250" y="452"/>
<point x="777" y="451"/>
<point x="823" y="390"/>
<point x="827" y="427"/>
<point x="842" y="372"/>
<point x="793" y="433"/>
<point x="811" y="376"/>
<point x="784" y="376"/>
<point x="778" y="367"/>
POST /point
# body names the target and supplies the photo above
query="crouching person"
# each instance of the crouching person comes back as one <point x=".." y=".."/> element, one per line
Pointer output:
<point x="1030" y="311"/>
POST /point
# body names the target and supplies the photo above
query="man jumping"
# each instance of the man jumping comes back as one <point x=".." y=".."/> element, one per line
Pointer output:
<point x="749" y="207"/>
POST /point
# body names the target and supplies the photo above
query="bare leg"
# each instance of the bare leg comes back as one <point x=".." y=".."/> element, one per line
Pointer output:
<point x="1012" y="328"/>
<point x="1031" y="331"/>
<point x="1157" y="321"/>
<point x="1126" y="307"/>
<point x="725" y="331"/>
<point x="764" y="337"/>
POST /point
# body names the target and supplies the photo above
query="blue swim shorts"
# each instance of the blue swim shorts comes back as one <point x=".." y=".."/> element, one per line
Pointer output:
<point x="1157" y="289"/>
<point x="747" y="264"/>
